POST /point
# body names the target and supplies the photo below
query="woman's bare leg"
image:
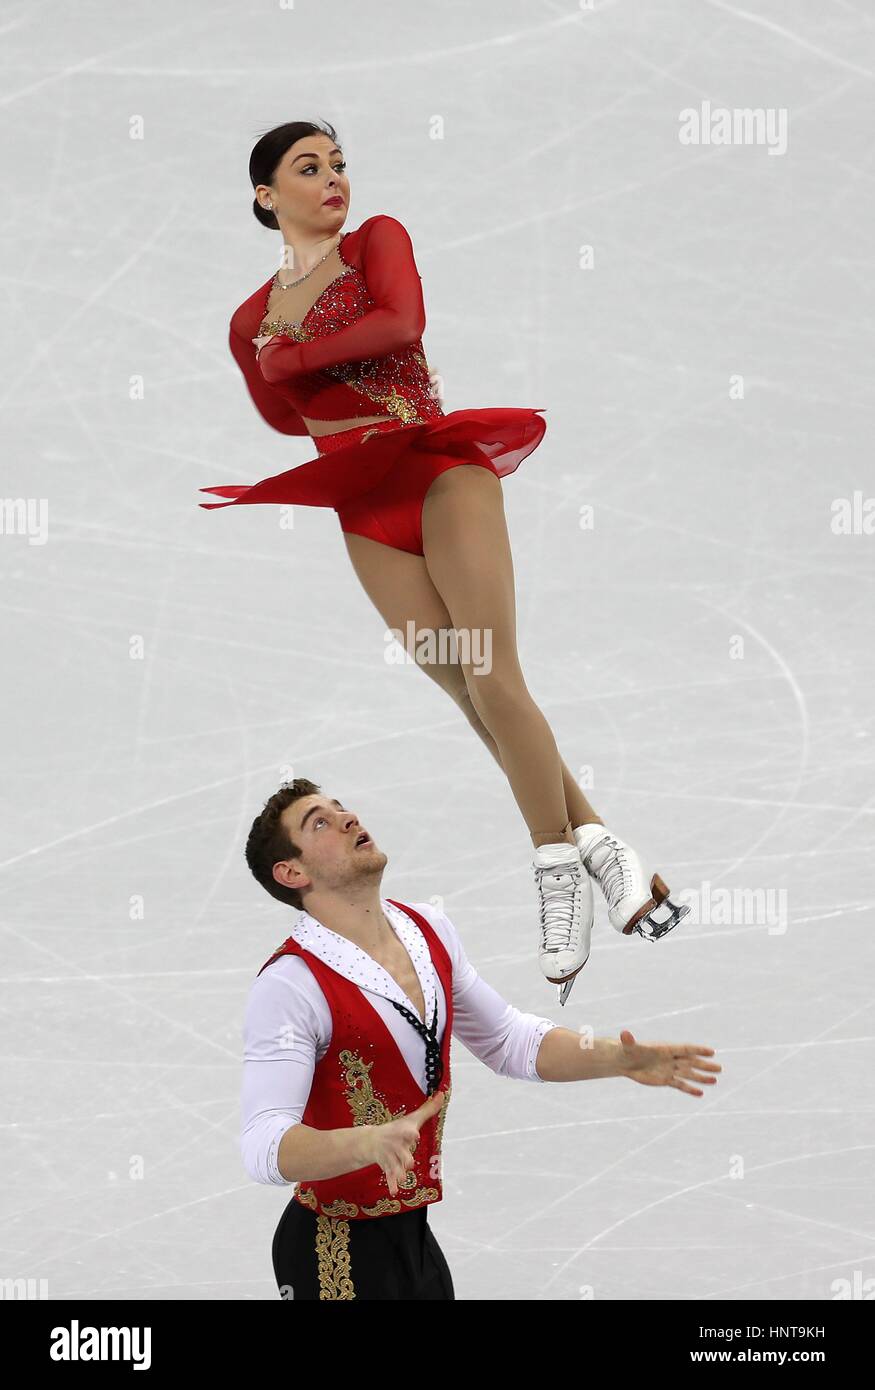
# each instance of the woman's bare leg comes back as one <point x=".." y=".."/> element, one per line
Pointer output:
<point x="467" y="554"/>
<point x="401" y="589"/>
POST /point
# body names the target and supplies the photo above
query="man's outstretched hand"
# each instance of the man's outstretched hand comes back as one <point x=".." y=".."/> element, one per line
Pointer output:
<point x="667" y="1064"/>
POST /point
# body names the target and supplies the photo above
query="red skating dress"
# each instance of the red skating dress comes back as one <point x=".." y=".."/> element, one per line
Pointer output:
<point x="358" y="352"/>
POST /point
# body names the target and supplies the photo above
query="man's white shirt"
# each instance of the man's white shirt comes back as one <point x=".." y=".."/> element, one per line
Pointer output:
<point x="287" y="1026"/>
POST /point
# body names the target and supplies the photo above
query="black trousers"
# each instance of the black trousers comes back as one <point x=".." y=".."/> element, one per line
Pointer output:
<point x="324" y="1257"/>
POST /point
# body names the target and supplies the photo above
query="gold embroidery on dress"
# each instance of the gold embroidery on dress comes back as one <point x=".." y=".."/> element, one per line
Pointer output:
<point x="286" y="329"/>
<point x="400" y="406"/>
<point x="387" y="1206"/>
<point x="307" y="1196"/>
<point x="395" y="403"/>
<point x="281" y="325"/>
<point x="368" y="434"/>
<point x="332" y="1254"/>
<point x="349" y="373"/>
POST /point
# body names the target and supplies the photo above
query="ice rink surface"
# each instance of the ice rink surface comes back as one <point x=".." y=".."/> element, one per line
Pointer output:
<point x="694" y="550"/>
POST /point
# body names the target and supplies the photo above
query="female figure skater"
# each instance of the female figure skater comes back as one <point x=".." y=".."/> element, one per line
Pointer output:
<point x="331" y="346"/>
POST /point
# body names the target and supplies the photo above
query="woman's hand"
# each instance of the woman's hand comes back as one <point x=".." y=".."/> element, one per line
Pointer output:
<point x="667" y="1064"/>
<point x="392" y="1144"/>
<point x="281" y="364"/>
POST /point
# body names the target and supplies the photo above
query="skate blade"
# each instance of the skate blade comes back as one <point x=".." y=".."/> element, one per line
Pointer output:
<point x="564" y="985"/>
<point x="650" y="929"/>
<point x="654" y="930"/>
<point x="565" y="990"/>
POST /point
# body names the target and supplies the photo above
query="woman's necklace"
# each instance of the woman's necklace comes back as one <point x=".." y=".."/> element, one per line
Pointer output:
<point x="278" y="325"/>
<point x="292" y="283"/>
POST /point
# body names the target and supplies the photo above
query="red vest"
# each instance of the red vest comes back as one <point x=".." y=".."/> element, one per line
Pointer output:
<point x="363" y="1079"/>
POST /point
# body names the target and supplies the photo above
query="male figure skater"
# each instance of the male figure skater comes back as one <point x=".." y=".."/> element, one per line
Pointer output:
<point x="346" y="1077"/>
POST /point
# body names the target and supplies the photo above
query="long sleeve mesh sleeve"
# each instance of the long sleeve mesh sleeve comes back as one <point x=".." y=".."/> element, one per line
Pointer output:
<point x="396" y="320"/>
<point x="270" y="404"/>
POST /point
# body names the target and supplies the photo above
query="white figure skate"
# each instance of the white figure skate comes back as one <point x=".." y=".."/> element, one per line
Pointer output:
<point x="632" y="903"/>
<point x="566" y="912"/>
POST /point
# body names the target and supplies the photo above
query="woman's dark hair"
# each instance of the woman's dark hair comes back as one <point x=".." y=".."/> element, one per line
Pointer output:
<point x="270" y="149"/>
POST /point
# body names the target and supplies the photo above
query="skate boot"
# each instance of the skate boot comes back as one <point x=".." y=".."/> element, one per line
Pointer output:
<point x="566" y="911"/>
<point x="632" y="902"/>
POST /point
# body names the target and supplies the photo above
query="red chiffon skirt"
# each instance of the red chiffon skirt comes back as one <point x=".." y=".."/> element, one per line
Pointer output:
<point x="375" y="476"/>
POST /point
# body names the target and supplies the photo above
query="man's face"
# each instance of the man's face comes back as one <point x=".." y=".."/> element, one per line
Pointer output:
<point x="335" y="849"/>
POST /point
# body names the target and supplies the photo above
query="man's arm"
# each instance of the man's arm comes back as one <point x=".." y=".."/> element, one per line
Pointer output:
<point x="683" y="1066"/>
<point x="529" y="1047"/>
<point x="287" y="1022"/>
<point x="306" y="1154"/>
<point x="567" y="1056"/>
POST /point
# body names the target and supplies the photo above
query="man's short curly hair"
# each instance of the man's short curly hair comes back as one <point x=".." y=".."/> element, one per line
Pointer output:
<point x="269" y="841"/>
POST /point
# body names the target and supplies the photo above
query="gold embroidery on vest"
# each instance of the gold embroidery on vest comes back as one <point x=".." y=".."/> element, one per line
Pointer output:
<point x="442" y="1115"/>
<point x="422" y="1194"/>
<point x="436" y="1163"/>
<point x="367" y="1107"/>
<point x="387" y="1206"/>
<point x="339" y="1207"/>
<point x="332" y="1254"/>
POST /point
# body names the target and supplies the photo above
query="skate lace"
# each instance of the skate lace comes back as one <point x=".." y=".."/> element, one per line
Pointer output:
<point x="558" y="889"/>
<point x="613" y="873"/>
